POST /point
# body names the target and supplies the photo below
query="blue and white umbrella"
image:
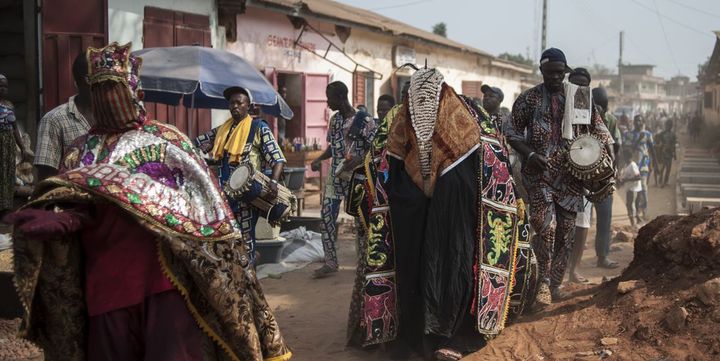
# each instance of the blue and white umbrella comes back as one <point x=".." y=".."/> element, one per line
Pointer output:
<point x="197" y="76"/>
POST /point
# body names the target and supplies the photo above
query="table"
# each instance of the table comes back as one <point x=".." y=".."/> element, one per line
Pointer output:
<point x="303" y="159"/>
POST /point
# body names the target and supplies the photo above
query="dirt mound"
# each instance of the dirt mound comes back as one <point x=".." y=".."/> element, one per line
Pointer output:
<point x="664" y="306"/>
<point x="689" y="243"/>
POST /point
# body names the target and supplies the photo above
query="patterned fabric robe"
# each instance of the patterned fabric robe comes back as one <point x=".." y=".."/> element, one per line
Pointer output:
<point x="154" y="174"/>
<point x="504" y="273"/>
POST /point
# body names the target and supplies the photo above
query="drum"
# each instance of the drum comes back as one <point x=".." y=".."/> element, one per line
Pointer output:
<point x="250" y="186"/>
<point x="589" y="162"/>
<point x="588" y="159"/>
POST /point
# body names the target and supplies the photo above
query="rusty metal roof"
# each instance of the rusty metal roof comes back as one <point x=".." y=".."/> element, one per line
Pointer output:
<point x="343" y="14"/>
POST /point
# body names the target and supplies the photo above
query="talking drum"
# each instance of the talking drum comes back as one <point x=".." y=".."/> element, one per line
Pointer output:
<point x="250" y="186"/>
<point x="589" y="162"/>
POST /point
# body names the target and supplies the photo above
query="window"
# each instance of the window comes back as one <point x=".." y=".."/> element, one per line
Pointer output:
<point x="364" y="91"/>
<point x="708" y="100"/>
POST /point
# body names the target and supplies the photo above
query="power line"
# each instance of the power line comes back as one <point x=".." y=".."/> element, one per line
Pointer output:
<point x="694" y="8"/>
<point x="707" y="33"/>
<point x="604" y="22"/>
<point x="639" y="49"/>
<point x="400" y="5"/>
<point x="667" y="41"/>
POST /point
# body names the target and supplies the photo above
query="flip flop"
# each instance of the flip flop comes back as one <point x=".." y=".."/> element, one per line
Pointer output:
<point x="447" y="354"/>
<point x="324" y="271"/>
<point x="576" y="278"/>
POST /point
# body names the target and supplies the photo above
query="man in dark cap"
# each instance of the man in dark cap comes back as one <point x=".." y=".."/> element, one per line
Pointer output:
<point x="535" y="132"/>
<point x="492" y="98"/>
<point x="243" y="139"/>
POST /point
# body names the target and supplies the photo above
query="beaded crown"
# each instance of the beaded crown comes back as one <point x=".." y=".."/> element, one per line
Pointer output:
<point x="114" y="62"/>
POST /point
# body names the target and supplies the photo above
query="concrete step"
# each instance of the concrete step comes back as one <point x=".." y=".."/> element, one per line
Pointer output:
<point x="695" y="204"/>
<point x="701" y="178"/>
<point x="685" y="186"/>
<point x="700" y="168"/>
<point x="707" y="159"/>
<point x="701" y="192"/>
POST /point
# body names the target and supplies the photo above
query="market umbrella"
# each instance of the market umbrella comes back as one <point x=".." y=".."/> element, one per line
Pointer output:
<point x="197" y="76"/>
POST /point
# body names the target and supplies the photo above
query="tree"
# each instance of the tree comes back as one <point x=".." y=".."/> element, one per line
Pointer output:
<point x="600" y="70"/>
<point x="440" y="29"/>
<point x="517" y="58"/>
<point x="702" y="68"/>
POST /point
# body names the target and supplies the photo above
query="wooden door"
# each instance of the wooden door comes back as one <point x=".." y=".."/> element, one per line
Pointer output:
<point x="315" y="114"/>
<point x="161" y="28"/>
<point x="68" y="28"/>
<point x="272" y="77"/>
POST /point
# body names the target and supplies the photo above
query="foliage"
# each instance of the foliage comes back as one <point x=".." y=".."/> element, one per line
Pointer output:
<point x="517" y="58"/>
<point x="600" y="70"/>
<point x="702" y="68"/>
<point x="440" y="29"/>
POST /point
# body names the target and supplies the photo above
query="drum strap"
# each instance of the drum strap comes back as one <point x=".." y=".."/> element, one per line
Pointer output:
<point x="251" y="137"/>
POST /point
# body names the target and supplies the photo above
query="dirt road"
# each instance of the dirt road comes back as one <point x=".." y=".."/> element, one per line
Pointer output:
<point x="313" y="313"/>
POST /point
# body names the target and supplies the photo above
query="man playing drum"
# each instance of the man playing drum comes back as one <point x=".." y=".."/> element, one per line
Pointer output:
<point x="242" y="139"/>
<point x="554" y="195"/>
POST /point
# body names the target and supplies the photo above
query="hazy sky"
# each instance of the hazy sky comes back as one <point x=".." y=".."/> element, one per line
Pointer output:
<point x="586" y="30"/>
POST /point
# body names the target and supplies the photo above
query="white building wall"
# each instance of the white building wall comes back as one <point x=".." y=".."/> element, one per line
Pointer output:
<point x="266" y="39"/>
<point x="375" y="51"/>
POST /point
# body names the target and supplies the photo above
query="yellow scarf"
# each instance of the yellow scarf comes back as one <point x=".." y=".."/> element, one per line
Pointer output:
<point x="235" y="144"/>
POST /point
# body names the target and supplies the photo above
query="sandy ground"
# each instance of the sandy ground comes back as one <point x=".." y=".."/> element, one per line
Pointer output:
<point x="313" y="313"/>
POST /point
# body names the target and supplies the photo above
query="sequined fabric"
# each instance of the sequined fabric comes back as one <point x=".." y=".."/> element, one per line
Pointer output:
<point x="222" y="294"/>
<point x="114" y="77"/>
<point x="155" y="171"/>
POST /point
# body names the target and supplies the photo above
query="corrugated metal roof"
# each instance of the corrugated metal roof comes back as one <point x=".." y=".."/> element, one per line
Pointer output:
<point x="364" y="18"/>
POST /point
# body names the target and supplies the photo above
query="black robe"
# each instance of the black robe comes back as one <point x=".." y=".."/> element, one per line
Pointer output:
<point x="435" y="251"/>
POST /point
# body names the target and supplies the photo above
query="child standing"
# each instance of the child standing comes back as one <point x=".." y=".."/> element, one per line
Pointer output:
<point x="630" y="181"/>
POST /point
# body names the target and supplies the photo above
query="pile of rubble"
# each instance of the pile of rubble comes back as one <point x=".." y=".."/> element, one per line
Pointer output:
<point x="669" y="296"/>
<point x="664" y="306"/>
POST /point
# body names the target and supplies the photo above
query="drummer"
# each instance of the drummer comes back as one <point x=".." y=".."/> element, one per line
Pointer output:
<point x="243" y="139"/>
<point x="554" y="194"/>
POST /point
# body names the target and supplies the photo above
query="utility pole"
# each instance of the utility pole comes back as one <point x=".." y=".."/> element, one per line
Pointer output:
<point x="543" y="42"/>
<point x="620" y="63"/>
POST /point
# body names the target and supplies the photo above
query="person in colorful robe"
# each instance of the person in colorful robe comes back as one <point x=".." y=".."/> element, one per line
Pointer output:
<point x="349" y="137"/>
<point x="443" y="224"/>
<point x="555" y="196"/>
<point x="131" y="252"/>
<point x="243" y="139"/>
<point x="9" y="138"/>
